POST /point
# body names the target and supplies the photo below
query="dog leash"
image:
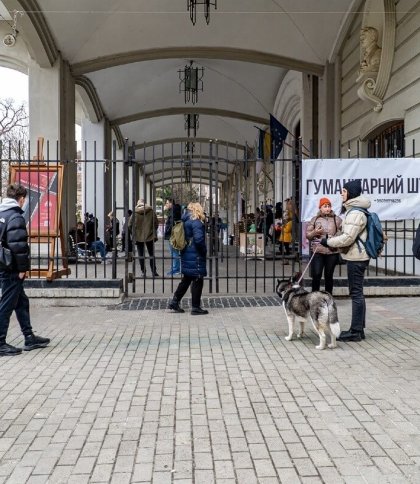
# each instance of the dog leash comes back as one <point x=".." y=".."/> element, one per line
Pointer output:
<point x="307" y="267"/>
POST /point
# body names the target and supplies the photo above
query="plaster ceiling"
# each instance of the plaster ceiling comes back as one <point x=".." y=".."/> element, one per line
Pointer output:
<point x="131" y="51"/>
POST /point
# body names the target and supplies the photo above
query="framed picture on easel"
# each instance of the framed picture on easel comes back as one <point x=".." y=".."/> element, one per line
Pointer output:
<point x="42" y="213"/>
<point x="43" y="203"/>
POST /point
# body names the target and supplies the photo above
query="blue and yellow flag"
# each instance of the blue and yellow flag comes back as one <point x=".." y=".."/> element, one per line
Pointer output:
<point x="264" y="144"/>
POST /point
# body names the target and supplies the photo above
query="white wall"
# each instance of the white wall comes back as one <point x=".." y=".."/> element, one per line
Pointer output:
<point x="402" y="99"/>
<point x="401" y="102"/>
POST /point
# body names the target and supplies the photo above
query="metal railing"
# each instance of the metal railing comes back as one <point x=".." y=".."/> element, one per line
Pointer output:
<point x="244" y="253"/>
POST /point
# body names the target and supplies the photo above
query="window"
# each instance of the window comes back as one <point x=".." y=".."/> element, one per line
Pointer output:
<point x="388" y="143"/>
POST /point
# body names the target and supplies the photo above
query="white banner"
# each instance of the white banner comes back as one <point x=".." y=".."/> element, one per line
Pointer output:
<point x="391" y="184"/>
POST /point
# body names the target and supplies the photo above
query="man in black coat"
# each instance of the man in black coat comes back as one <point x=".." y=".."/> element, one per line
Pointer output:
<point x="13" y="298"/>
<point x="174" y="214"/>
<point x="416" y="244"/>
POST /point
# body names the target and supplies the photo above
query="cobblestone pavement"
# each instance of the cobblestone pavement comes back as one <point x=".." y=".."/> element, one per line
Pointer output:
<point x="149" y="396"/>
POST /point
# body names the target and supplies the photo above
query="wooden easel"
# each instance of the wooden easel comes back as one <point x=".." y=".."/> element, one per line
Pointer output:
<point x="51" y="272"/>
<point x="45" y="229"/>
<point x="39" y="150"/>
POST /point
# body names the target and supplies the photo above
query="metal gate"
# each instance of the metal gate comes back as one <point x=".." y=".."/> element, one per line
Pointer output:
<point x="238" y="194"/>
<point x="248" y="201"/>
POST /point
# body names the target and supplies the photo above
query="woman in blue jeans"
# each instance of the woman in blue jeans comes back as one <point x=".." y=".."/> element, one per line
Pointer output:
<point x="350" y="243"/>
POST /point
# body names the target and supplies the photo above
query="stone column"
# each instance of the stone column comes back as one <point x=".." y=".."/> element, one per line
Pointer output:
<point x="96" y="170"/>
<point x="308" y="127"/>
<point x="327" y="100"/>
<point x="52" y="117"/>
<point x="52" y="109"/>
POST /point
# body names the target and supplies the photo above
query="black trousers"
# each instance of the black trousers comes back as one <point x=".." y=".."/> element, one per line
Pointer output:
<point x="13" y="298"/>
<point x="196" y="289"/>
<point x="284" y="248"/>
<point x="130" y="243"/>
<point x="323" y="263"/>
<point x="356" y="275"/>
<point x="150" y="245"/>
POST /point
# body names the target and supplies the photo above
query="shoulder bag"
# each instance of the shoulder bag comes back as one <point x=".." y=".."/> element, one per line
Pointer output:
<point x="6" y="257"/>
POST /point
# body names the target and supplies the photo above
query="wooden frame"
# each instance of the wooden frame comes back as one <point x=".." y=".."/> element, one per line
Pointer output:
<point x="42" y="212"/>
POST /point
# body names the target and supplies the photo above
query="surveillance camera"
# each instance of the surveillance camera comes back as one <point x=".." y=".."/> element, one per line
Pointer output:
<point x="9" y="40"/>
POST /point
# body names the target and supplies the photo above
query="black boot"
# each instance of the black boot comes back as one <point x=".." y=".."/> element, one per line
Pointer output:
<point x="32" y="342"/>
<point x="175" y="307"/>
<point x="350" y="336"/>
<point x="9" y="350"/>
<point x="198" y="311"/>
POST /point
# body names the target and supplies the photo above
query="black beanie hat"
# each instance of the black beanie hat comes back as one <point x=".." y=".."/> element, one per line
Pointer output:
<point x="354" y="188"/>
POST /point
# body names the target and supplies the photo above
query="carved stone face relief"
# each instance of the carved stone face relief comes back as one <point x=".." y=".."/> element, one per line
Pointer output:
<point x="377" y="46"/>
<point x="370" y="50"/>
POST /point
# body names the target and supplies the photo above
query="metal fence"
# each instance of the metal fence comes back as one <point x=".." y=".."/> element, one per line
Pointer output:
<point x="245" y="252"/>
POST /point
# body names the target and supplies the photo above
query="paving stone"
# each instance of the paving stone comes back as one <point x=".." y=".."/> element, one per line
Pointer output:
<point x="84" y="465"/>
<point x="45" y="465"/>
<point x="121" y="478"/>
<point x="204" y="476"/>
<point x="126" y="396"/>
<point x="19" y="475"/>
<point x="102" y="473"/>
<point x="264" y="468"/>
<point x="60" y="474"/>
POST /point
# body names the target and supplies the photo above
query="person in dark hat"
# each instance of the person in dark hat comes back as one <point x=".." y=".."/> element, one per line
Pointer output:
<point x="353" y="251"/>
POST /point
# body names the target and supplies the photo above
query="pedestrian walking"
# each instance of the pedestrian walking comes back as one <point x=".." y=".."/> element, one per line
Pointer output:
<point x="325" y="223"/>
<point x="144" y="225"/>
<point x="174" y="215"/>
<point x="126" y="234"/>
<point x="193" y="260"/>
<point x="285" y="237"/>
<point x="113" y="225"/>
<point x="14" y="236"/>
<point x="350" y="243"/>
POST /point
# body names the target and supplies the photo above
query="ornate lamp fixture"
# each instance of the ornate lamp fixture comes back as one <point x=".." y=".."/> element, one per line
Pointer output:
<point x="191" y="82"/>
<point x="189" y="148"/>
<point x="187" y="171"/>
<point x="191" y="124"/>
<point x="9" y="40"/>
<point x="192" y="8"/>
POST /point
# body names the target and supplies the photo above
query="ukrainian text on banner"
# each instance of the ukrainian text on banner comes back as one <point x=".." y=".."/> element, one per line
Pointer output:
<point x="391" y="184"/>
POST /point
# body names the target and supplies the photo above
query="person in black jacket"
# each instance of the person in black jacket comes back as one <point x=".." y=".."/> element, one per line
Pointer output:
<point x="416" y="244"/>
<point x="13" y="298"/>
<point x="174" y="214"/>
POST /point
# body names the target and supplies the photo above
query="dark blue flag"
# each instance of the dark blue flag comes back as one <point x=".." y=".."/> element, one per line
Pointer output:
<point x="278" y="136"/>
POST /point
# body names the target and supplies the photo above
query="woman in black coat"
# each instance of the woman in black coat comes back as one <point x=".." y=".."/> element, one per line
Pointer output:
<point x="193" y="260"/>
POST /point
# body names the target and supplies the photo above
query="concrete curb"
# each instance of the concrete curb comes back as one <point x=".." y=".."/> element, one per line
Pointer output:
<point x="109" y="292"/>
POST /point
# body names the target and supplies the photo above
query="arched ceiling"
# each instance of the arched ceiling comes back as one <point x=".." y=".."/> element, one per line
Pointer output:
<point x="128" y="53"/>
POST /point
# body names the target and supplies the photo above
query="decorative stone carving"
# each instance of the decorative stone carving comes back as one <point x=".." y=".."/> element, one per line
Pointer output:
<point x="376" y="61"/>
<point x="261" y="182"/>
<point x="265" y="181"/>
<point x="371" y="52"/>
<point x="233" y="189"/>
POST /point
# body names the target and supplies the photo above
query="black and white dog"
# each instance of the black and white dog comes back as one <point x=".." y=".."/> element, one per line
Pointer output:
<point x="298" y="304"/>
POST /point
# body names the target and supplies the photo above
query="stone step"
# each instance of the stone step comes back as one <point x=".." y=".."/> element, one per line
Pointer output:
<point x="75" y="292"/>
<point x="110" y="292"/>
